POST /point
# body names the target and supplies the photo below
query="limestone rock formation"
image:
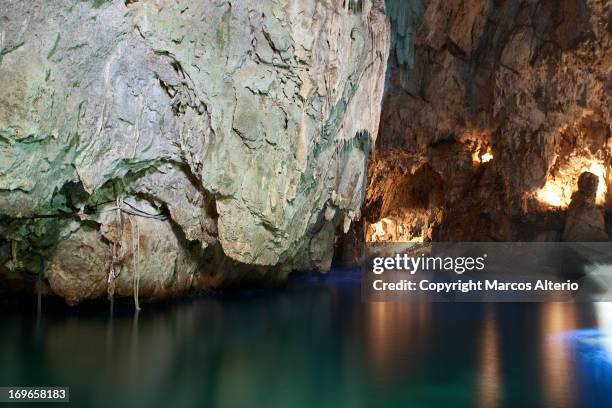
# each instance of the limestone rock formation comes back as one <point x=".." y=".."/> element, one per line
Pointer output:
<point x="506" y="102"/>
<point x="235" y="132"/>
<point x="585" y="222"/>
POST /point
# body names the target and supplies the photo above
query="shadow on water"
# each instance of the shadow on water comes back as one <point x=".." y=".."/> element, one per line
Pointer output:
<point x="313" y="343"/>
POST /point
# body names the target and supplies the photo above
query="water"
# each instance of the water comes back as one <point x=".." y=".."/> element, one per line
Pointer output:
<point x="313" y="344"/>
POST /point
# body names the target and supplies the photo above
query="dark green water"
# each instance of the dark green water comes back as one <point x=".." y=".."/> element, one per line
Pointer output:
<point x="313" y="344"/>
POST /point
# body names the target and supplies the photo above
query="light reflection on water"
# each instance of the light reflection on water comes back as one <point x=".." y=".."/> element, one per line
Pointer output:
<point x="314" y="343"/>
<point x="489" y="390"/>
<point x="557" y="358"/>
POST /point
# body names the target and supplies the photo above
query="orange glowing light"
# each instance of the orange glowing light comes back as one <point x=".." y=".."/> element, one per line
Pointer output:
<point x="479" y="157"/>
<point x="557" y="192"/>
<point x="554" y="193"/>
<point x="389" y="230"/>
<point x="381" y="230"/>
<point x="487" y="157"/>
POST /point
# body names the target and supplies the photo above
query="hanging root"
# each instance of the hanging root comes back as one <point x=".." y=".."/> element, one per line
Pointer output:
<point x="14" y="264"/>
<point x="133" y="213"/>
<point x="14" y="251"/>
<point x="136" y="259"/>
<point x="115" y="269"/>
<point x="118" y="219"/>
<point x="112" y="274"/>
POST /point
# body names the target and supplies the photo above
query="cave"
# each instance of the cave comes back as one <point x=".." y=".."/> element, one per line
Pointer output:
<point x="306" y="203"/>
<point x="457" y="190"/>
<point x="484" y="133"/>
<point x="142" y="154"/>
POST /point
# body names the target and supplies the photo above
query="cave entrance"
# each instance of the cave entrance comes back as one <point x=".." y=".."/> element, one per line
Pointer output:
<point x="404" y="208"/>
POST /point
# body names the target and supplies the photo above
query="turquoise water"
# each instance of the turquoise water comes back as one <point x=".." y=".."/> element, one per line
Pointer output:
<point x="312" y="344"/>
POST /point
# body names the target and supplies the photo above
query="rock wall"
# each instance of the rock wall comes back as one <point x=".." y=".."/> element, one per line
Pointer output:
<point x="504" y="104"/>
<point x="178" y="144"/>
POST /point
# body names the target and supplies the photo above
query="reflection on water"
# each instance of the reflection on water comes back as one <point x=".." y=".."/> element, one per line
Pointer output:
<point x="490" y="376"/>
<point x="557" y="362"/>
<point x="387" y="325"/>
<point x="313" y="343"/>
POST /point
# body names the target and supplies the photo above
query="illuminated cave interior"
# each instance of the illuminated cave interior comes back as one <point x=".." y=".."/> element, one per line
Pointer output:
<point x="480" y="186"/>
<point x="484" y="133"/>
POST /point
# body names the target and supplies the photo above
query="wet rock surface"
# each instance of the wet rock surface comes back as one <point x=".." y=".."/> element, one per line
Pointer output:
<point x="236" y="133"/>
